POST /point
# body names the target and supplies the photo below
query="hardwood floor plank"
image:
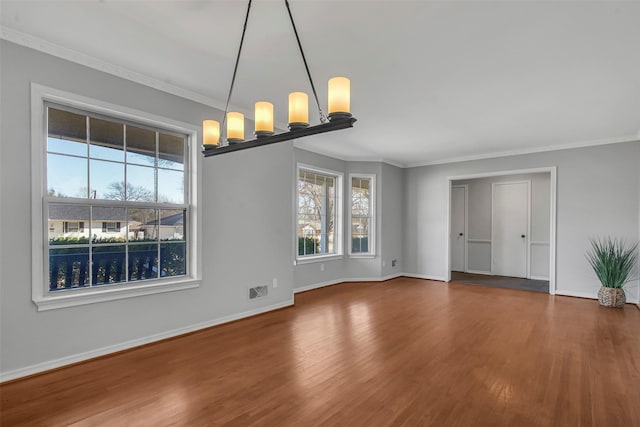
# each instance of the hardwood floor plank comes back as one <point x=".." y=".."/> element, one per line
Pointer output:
<point x="404" y="352"/>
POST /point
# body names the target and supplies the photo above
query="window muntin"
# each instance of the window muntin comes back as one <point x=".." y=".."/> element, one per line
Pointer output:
<point x="362" y="215"/>
<point x="318" y="213"/>
<point x="109" y="219"/>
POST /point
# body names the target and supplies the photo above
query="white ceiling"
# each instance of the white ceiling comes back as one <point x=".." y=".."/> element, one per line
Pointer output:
<point x="430" y="81"/>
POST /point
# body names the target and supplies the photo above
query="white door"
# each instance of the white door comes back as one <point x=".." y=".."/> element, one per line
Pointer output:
<point x="510" y="228"/>
<point x="458" y="213"/>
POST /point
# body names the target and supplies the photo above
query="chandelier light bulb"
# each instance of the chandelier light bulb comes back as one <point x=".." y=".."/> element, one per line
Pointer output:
<point x="339" y="98"/>
<point x="264" y="119"/>
<point x="298" y="110"/>
<point x="210" y="132"/>
<point x="235" y="127"/>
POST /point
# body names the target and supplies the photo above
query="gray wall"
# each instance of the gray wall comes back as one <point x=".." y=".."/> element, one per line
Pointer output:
<point x="391" y="217"/>
<point x="241" y="191"/>
<point x="597" y="195"/>
<point x="479" y="221"/>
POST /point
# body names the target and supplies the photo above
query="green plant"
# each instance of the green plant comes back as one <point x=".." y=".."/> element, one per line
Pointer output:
<point x="308" y="246"/>
<point x="613" y="261"/>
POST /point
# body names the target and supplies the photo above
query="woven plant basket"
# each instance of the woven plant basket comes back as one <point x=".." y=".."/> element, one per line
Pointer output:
<point x="612" y="297"/>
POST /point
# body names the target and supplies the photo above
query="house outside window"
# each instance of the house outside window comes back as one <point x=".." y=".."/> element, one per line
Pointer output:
<point x="362" y="218"/>
<point x="319" y="213"/>
<point x="109" y="184"/>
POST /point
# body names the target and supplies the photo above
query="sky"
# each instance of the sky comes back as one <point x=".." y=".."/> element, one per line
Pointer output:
<point x="69" y="169"/>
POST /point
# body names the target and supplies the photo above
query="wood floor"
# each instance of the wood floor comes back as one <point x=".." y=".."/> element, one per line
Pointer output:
<point x="405" y="352"/>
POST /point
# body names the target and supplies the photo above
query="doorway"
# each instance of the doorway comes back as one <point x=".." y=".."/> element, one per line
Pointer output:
<point x="502" y="229"/>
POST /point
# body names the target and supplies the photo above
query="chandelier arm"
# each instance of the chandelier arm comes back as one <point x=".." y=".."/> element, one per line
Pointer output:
<point x="235" y="68"/>
<point x="323" y="118"/>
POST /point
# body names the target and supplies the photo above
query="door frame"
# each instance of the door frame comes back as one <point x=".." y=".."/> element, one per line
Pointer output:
<point x="552" y="170"/>
<point x="528" y="237"/>
<point x="466" y="224"/>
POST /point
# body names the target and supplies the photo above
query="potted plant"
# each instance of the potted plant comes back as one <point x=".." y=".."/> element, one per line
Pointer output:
<point x="613" y="262"/>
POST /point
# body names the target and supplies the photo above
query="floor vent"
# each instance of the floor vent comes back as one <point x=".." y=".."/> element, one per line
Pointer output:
<point x="258" y="292"/>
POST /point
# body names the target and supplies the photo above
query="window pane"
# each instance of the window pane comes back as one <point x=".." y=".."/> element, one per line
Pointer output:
<point x="67" y="132"/>
<point x="108" y="264"/>
<point x="172" y="224"/>
<point x="141" y="146"/>
<point x="170" y="186"/>
<point x="360" y="197"/>
<point x="172" y="259"/>
<point x="107" y="180"/>
<point x="107" y="140"/>
<point x="143" y="261"/>
<point x="68" y="224"/>
<point x="66" y="147"/>
<point x="171" y="152"/>
<point x="143" y="224"/>
<point x="109" y="225"/>
<point x="68" y="268"/>
<point x="360" y="235"/>
<point x="66" y="176"/>
<point x="316" y="213"/>
<point x="141" y="182"/>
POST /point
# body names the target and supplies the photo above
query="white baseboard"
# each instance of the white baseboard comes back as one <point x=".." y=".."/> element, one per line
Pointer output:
<point x="424" y="276"/>
<point x="373" y="279"/>
<point x="539" y="278"/>
<point x="576" y="294"/>
<point x="589" y="295"/>
<point x="57" y="363"/>
<point x="391" y="276"/>
<point x="316" y="286"/>
<point x="486" y="273"/>
<point x="345" y="280"/>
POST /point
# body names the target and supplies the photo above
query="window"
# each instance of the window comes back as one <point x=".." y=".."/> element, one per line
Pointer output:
<point x="117" y="204"/>
<point x="319" y="213"/>
<point x="362" y="215"/>
<point x="111" y="227"/>
<point x="137" y="174"/>
<point x="73" y="227"/>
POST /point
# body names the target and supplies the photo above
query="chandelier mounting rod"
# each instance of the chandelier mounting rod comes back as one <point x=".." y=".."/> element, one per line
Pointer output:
<point x="235" y="68"/>
<point x="323" y="118"/>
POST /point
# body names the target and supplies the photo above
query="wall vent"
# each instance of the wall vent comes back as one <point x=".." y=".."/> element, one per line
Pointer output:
<point x="258" y="292"/>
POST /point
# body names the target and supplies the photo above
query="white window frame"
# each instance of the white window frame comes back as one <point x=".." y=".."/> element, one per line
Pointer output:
<point x="372" y="210"/>
<point x="338" y="238"/>
<point x="41" y="296"/>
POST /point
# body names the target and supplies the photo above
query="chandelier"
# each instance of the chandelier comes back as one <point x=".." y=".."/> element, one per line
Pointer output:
<point x="339" y="117"/>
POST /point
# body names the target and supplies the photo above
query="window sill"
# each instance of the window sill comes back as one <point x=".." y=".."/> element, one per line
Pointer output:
<point x="71" y="298"/>
<point x="362" y="256"/>
<point x="318" y="258"/>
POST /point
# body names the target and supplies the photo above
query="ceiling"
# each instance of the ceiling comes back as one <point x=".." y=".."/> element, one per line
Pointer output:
<point x="431" y="82"/>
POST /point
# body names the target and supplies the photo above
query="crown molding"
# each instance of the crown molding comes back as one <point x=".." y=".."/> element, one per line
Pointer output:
<point x="44" y="46"/>
<point x="534" y="150"/>
<point x="375" y="159"/>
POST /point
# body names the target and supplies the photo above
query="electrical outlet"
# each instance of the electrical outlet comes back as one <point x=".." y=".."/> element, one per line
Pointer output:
<point x="275" y="282"/>
<point x="394" y="262"/>
<point x="384" y="262"/>
<point x="321" y="267"/>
